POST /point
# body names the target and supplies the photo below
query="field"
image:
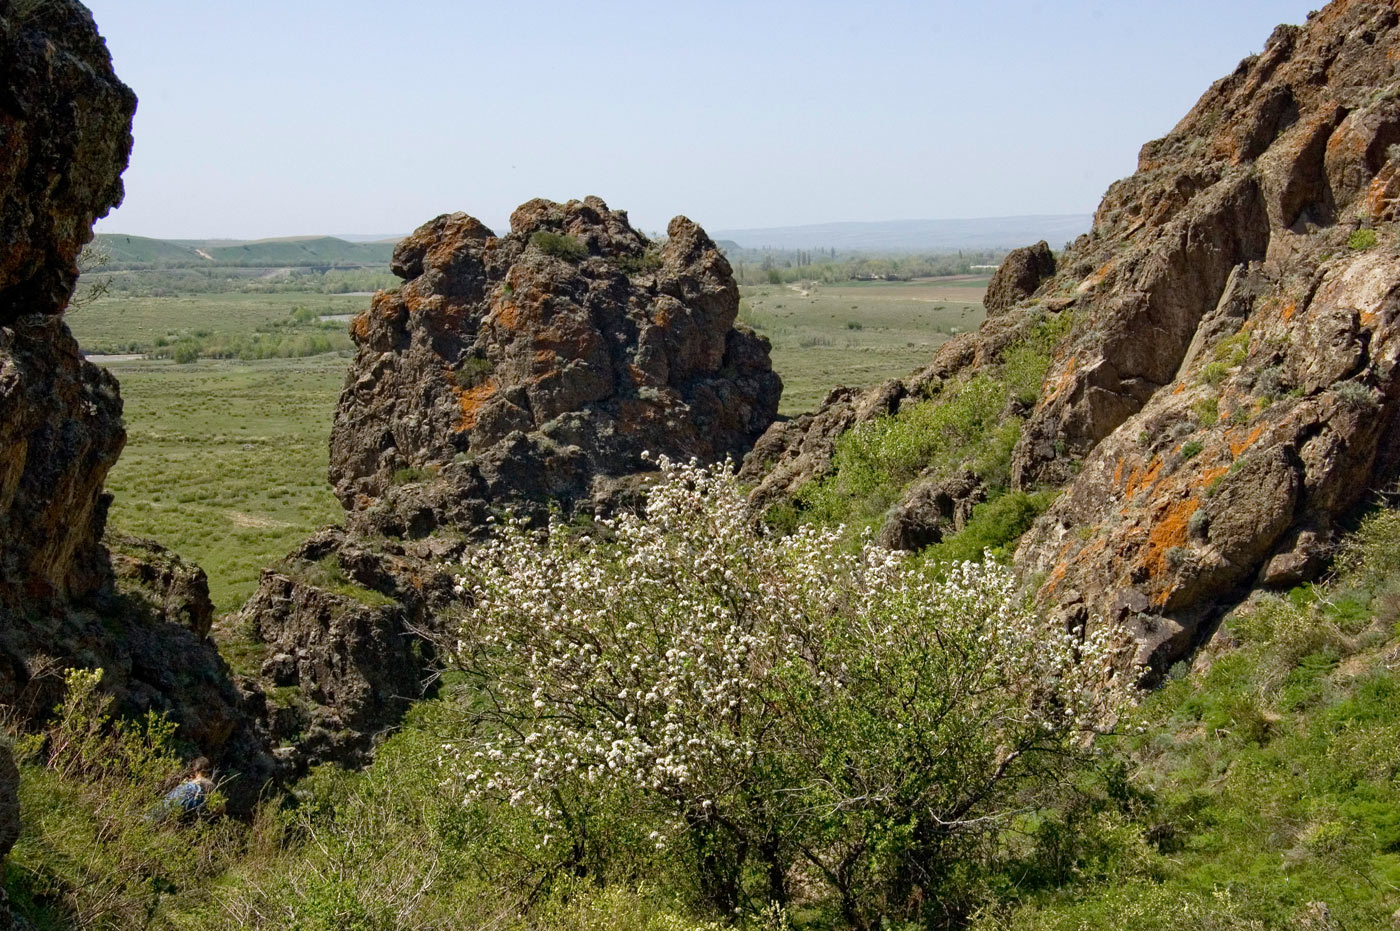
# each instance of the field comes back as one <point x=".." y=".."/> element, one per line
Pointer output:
<point x="141" y="324"/>
<point x="857" y="333"/>
<point x="226" y="461"/>
<point x="226" y="458"/>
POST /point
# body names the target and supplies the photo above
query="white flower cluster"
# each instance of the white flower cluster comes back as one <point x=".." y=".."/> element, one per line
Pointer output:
<point x="685" y="655"/>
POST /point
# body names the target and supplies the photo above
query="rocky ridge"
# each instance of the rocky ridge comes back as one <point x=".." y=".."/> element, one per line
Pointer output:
<point x="520" y="372"/>
<point x="1227" y="392"/>
<point x="65" y="599"/>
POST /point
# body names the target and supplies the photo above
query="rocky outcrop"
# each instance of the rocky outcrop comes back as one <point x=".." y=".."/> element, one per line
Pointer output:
<point x="347" y="632"/>
<point x="1228" y="390"/>
<point x="1018" y="276"/>
<point x="793" y="452"/>
<point x="540" y="365"/>
<point x="933" y="508"/>
<point x="516" y="372"/>
<point x="65" y="134"/>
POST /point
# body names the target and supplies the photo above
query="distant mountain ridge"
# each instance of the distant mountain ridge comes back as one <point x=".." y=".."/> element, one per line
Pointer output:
<point x="916" y="235"/>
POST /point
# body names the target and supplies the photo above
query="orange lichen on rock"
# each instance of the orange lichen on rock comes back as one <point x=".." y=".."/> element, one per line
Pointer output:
<point x="472" y="400"/>
<point x="1143" y="478"/>
<point x="1207" y="477"/>
<point x="506" y="314"/>
<point x="1097" y="277"/>
<point x="359" y="327"/>
<point x="1238" y="444"/>
<point x="1063" y="380"/>
<point x="1168" y="531"/>
<point x="1288" y="311"/>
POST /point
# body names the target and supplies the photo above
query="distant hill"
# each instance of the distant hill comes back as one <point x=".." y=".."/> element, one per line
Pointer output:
<point x="293" y="251"/>
<point x="139" y="250"/>
<point x="916" y="235"/>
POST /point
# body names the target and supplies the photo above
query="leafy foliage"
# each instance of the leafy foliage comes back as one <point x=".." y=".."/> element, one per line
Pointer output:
<point x="775" y="704"/>
<point x="560" y="245"/>
<point x="90" y="855"/>
<point x="969" y="425"/>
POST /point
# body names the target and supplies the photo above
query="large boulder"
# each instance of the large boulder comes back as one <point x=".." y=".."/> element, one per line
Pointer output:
<point x="541" y="365"/>
<point x="65" y="134"/>
<point x="346" y="629"/>
<point x="1018" y="276"/>
<point x="521" y="372"/>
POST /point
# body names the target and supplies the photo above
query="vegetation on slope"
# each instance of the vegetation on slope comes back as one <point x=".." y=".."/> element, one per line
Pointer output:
<point x="1266" y="779"/>
<point x="1257" y="790"/>
<point x="967" y="425"/>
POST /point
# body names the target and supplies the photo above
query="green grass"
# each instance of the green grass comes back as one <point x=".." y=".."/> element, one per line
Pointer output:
<point x="1361" y="239"/>
<point x="967" y="425"/>
<point x="856" y="333"/>
<point x="124" y="325"/>
<point x="226" y="461"/>
<point x="1269" y="778"/>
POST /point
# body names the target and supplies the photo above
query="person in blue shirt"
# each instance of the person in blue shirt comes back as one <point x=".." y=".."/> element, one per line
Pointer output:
<point x="190" y="797"/>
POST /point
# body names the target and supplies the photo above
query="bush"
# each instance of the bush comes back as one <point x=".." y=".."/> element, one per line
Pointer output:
<point x="776" y="705"/>
<point x="559" y="245"/>
<point x="90" y="855"/>
<point x="972" y="424"/>
<point x="473" y="371"/>
<point x="1361" y="239"/>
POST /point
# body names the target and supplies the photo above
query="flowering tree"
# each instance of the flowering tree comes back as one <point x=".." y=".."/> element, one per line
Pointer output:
<point x="779" y="703"/>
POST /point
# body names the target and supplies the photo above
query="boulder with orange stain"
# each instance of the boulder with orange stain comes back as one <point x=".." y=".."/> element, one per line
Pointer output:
<point x="539" y="363"/>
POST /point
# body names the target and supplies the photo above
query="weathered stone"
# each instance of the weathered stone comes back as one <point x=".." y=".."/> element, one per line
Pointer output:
<point x="533" y="365"/>
<point x="178" y="591"/>
<point x="1018" y="276"/>
<point x="932" y="508"/>
<point x="64" y="139"/>
<point x="347" y="630"/>
<point x="63" y="115"/>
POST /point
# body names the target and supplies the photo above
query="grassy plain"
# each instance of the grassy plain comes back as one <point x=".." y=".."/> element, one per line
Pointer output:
<point x="225" y="461"/>
<point x="859" y="332"/>
<point x="139" y="324"/>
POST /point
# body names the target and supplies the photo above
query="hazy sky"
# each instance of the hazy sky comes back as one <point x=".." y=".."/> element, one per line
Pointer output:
<point x="278" y="117"/>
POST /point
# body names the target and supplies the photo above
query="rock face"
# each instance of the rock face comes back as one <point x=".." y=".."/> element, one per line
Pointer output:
<point x="517" y="372"/>
<point x="541" y="365"/>
<point x="65" y="135"/>
<point x="1228" y="390"/>
<point x="1018" y="276"/>
<point x="346" y="628"/>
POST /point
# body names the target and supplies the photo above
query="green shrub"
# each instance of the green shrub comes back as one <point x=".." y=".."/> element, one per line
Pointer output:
<point x="779" y="711"/>
<point x="559" y="245"/>
<point x="967" y="425"/>
<point x="994" y="525"/>
<point x="1213" y="373"/>
<point x="644" y="264"/>
<point x="473" y="371"/>
<point x="89" y="855"/>
<point x="331" y="576"/>
<point x="1191" y="448"/>
<point x="1361" y="239"/>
